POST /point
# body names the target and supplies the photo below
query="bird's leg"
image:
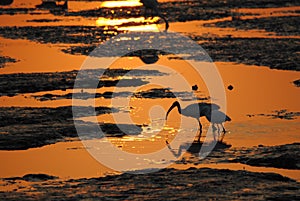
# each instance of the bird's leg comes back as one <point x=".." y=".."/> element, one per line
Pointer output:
<point x="223" y="134"/>
<point x="219" y="131"/>
<point x="224" y="131"/>
<point x="200" y="130"/>
<point x="214" y="127"/>
<point x="214" y="136"/>
<point x="214" y="131"/>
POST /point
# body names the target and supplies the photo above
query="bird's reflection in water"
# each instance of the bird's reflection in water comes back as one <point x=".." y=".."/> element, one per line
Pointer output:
<point x="147" y="56"/>
<point x="153" y="7"/>
<point x="196" y="147"/>
<point x="210" y="111"/>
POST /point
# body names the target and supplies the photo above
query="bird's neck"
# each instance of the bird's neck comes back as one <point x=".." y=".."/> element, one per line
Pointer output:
<point x="179" y="108"/>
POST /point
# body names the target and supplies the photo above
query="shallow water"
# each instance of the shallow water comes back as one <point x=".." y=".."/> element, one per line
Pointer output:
<point x="71" y="160"/>
<point x="256" y="90"/>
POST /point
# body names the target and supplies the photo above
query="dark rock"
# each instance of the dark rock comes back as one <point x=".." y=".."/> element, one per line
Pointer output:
<point x="283" y="156"/>
<point x="297" y="83"/>
<point x="38" y="177"/>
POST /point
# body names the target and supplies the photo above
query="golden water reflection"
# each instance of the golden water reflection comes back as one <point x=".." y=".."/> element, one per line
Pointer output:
<point x="60" y="159"/>
<point x="66" y="160"/>
<point x="101" y="21"/>
<point x="256" y="90"/>
<point x="127" y="3"/>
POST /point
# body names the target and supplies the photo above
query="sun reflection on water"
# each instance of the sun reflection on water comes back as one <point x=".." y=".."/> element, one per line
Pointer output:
<point x="130" y="24"/>
<point x="113" y="4"/>
<point x="146" y="28"/>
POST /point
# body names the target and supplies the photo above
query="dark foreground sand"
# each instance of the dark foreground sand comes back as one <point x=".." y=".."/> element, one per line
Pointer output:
<point x="167" y="184"/>
<point x="172" y="184"/>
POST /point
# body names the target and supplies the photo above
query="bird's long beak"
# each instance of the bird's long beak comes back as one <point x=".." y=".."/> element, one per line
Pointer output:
<point x="175" y="104"/>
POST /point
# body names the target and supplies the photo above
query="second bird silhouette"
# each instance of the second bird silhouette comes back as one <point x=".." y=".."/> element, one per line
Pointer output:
<point x="152" y="5"/>
<point x="197" y="110"/>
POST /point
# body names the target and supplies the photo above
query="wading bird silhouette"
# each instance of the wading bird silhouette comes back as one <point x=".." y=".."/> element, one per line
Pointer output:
<point x="152" y="5"/>
<point x="195" y="111"/>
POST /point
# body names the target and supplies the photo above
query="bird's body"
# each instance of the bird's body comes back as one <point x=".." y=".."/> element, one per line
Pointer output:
<point x="152" y="5"/>
<point x="217" y="117"/>
<point x="197" y="110"/>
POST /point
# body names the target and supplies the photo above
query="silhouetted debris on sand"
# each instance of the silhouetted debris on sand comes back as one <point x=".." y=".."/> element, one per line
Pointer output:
<point x="283" y="156"/>
<point x="44" y="20"/>
<point x="297" y="83"/>
<point x="166" y="93"/>
<point x="23" y="128"/>
<point x="5" y="59"/>
<point x="82" y="96"/>
<point x="167" y="184"/>
<point x="33" y="177"/>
